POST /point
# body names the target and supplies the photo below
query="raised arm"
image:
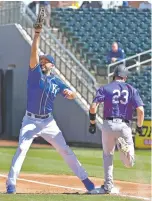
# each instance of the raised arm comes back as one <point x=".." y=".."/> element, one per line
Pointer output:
<point x="34" y="58"/>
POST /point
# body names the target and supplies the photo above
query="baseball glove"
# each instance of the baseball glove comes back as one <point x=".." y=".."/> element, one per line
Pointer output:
<point x="40" y="18"/>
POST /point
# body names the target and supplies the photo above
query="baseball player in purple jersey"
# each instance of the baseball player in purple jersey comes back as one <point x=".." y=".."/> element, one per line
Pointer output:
<point x="42" y="89"/>
<point x="120" y="99"/>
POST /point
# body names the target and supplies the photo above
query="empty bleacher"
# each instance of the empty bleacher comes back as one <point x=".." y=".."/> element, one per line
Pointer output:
<point x="92" y="31"/>
<point x="142" y="81"/>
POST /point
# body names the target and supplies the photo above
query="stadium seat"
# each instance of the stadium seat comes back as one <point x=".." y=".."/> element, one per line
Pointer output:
<point x="141" y="80"/>
<point x="92" y="31"/>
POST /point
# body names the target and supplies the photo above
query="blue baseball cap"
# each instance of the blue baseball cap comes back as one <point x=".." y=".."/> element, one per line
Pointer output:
<point x="49" y="58"/>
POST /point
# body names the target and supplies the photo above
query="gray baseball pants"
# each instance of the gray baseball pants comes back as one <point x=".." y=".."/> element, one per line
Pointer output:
<point x="111" y="131"/>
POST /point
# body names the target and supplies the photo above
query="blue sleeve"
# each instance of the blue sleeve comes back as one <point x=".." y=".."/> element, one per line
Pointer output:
<point x="137" y="101"/>
<point x="34" y="74"/>
<point x="108" y="59"/>
<point x="100" y="96"/>
<point x="62" y="86"/>
<point x="121" y="55"/>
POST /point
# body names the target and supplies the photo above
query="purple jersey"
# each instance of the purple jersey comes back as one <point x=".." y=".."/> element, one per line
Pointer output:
<point x="120" y="100"/>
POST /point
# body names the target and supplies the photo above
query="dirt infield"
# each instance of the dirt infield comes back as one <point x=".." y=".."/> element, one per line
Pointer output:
<point x="44" y="184"/>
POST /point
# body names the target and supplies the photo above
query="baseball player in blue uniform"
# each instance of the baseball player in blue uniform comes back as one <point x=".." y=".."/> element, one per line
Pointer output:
<point x="42" y="89"/>
<point x="120" y="99"/>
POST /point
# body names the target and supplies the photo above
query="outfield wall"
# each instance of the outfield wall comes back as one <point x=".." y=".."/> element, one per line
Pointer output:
<point x="14" y="60"/>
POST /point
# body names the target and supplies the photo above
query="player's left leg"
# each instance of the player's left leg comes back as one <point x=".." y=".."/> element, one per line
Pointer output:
<point x="108" y="144"/>
<point x="126" y="146"/>
<point x="53" y="135"/>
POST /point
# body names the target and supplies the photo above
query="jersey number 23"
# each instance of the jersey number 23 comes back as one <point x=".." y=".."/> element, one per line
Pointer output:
<point x="120" y="97"/>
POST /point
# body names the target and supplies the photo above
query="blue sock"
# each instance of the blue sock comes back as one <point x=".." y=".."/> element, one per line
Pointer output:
<point x="88" y="184"/>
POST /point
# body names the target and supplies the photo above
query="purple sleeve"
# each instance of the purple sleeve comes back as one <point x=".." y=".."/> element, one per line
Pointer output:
<point x="99" y="98"/>
<point x="137" y="101"/>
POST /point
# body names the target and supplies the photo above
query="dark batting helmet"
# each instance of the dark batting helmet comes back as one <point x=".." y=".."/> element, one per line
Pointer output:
<point x="120" y="71"/>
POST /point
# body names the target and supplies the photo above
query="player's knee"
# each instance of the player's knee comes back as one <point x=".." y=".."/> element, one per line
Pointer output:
<point x="108" y="153"/>
<point x="23" y="149"/>
<point x="66" y="150"/>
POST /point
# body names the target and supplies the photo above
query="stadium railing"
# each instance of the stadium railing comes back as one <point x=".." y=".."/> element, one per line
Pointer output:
<point x="138" y="60"/>
<point x="73" y="71"/>
<point x="11" y="10"/>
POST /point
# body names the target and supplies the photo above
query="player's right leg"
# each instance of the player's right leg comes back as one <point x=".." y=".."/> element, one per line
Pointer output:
<point x="27" y="134"/>
<point x="53" y="135"/>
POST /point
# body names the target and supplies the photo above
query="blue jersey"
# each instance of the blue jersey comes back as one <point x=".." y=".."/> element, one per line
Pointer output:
<point x="120" y="100"/>
<point x="119" y="55"/>
<point x="42" y="90"/>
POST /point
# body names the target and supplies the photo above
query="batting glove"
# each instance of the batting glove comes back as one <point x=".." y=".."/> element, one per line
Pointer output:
<point x="92" y="128"/>
<point x="139" y="130"/>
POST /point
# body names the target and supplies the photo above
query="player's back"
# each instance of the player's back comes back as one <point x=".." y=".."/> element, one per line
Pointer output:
<point x="118" y="100"/>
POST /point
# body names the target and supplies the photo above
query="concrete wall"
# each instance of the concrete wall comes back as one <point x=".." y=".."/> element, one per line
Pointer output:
<point x="71" y="118"/>
<point x="15" y="50"/>
<point x="73" y="122"/>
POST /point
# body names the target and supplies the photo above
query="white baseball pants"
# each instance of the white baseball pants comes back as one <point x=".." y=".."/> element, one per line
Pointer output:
<point x="47" y="129"/>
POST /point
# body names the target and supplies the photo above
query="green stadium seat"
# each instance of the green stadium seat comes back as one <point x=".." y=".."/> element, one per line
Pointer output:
<point x="89" y="55"/>
<point x="145" y="57"/>
<point x="92" y="31"/>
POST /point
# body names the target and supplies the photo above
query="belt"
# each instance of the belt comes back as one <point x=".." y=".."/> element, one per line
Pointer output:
<point x="112" y="118"/>
<point x="38" y="116"/>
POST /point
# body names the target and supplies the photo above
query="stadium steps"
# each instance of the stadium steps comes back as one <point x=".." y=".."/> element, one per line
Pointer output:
<point x="101" y="80"/>
<point x="64" y="40"/>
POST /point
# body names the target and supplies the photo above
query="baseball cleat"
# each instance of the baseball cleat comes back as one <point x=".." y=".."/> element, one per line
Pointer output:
<point x="102" y="190"/>
<point x="96" y="190"/>
<point x="11" y="189"/>
<point x="113" y="190"/>
<point x="89" y="185"/>
<point x="122" y="145"/>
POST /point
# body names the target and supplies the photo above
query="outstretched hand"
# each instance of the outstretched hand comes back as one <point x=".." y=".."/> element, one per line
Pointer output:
<point x="68" y="94"/>
<point x="40" y="20"/>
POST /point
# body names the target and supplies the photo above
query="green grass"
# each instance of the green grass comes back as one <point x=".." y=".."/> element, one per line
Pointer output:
<point x="51" y="197"/>
<point x="48" y="161"/>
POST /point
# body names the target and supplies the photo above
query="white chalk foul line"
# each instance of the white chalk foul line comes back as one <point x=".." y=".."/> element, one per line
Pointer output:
<point x="67" y="187"/>
<point x="47" y="184"/>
